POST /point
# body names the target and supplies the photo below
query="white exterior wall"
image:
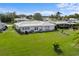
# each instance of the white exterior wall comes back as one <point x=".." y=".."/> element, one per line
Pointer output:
<point x="52" y="27"/>
<point x="16" y="27"/>
<point x="34" y="26"/>
<point x="43" y="28"/>
<point x="23" y="29"/>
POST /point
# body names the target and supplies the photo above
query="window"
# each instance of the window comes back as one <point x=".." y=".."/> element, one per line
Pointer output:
<point x="36" y="28"/>
<point x="25" y="28"/>
<point x="47" y="27"/>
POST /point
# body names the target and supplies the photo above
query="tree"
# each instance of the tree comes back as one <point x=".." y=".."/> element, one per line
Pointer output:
<point x="29" y="17"/>
<point x="76" y="15"/>
<point x="11" y="16"/>
<point x="8" y="17"/>
<point x="58" y="15"/>
<point x="53" y="17"/>
<point x="37" y="16"/>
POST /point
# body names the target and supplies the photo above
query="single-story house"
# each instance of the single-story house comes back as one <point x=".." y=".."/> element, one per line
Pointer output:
<point x="3" y="26"/>
<point x="21" y="19"/>
<point x="34" y="26"/>
<point x="64" y="24"/>
<point x="46" y="18"/>
<point x="73" y="20"/>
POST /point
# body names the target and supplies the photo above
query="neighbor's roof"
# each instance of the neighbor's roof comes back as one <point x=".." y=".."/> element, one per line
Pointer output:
<point x="63" y="22"/>
<point x="73" y="19"/>
<point x="23" y="18"/>
<point x="33" y="23"/>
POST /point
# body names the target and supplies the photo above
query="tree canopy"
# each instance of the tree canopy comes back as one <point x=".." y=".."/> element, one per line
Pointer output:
<point x="37" y="16"/>
<point x="57" y="16"/>
<point x="9" y="16"/>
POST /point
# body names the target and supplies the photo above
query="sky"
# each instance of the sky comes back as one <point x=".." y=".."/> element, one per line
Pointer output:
<point x="43" y="8"/>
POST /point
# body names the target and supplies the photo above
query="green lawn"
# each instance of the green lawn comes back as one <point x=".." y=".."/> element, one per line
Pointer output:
<point x="37" y="44"/>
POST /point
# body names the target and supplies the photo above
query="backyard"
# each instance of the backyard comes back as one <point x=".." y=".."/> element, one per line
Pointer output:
<point x="38" y="44"/>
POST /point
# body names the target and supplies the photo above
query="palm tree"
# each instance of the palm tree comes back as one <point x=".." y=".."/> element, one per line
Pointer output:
<point x="58" y="15"/>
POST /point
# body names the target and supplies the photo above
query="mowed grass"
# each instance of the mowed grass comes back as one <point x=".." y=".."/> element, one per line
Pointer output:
<point x="37" y="44"/>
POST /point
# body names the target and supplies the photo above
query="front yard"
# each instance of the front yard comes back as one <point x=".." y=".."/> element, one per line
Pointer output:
<point x="38" y="44"/>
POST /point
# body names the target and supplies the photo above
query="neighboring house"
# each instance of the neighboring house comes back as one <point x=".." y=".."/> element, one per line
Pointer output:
<point x="46" y="18"/>
<point x="34" y="26"/>
<point x="63" y="24"/>
<point x="73" y="20"/>
<point x="21" y="19"/>
<point x="3" y="26"/>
